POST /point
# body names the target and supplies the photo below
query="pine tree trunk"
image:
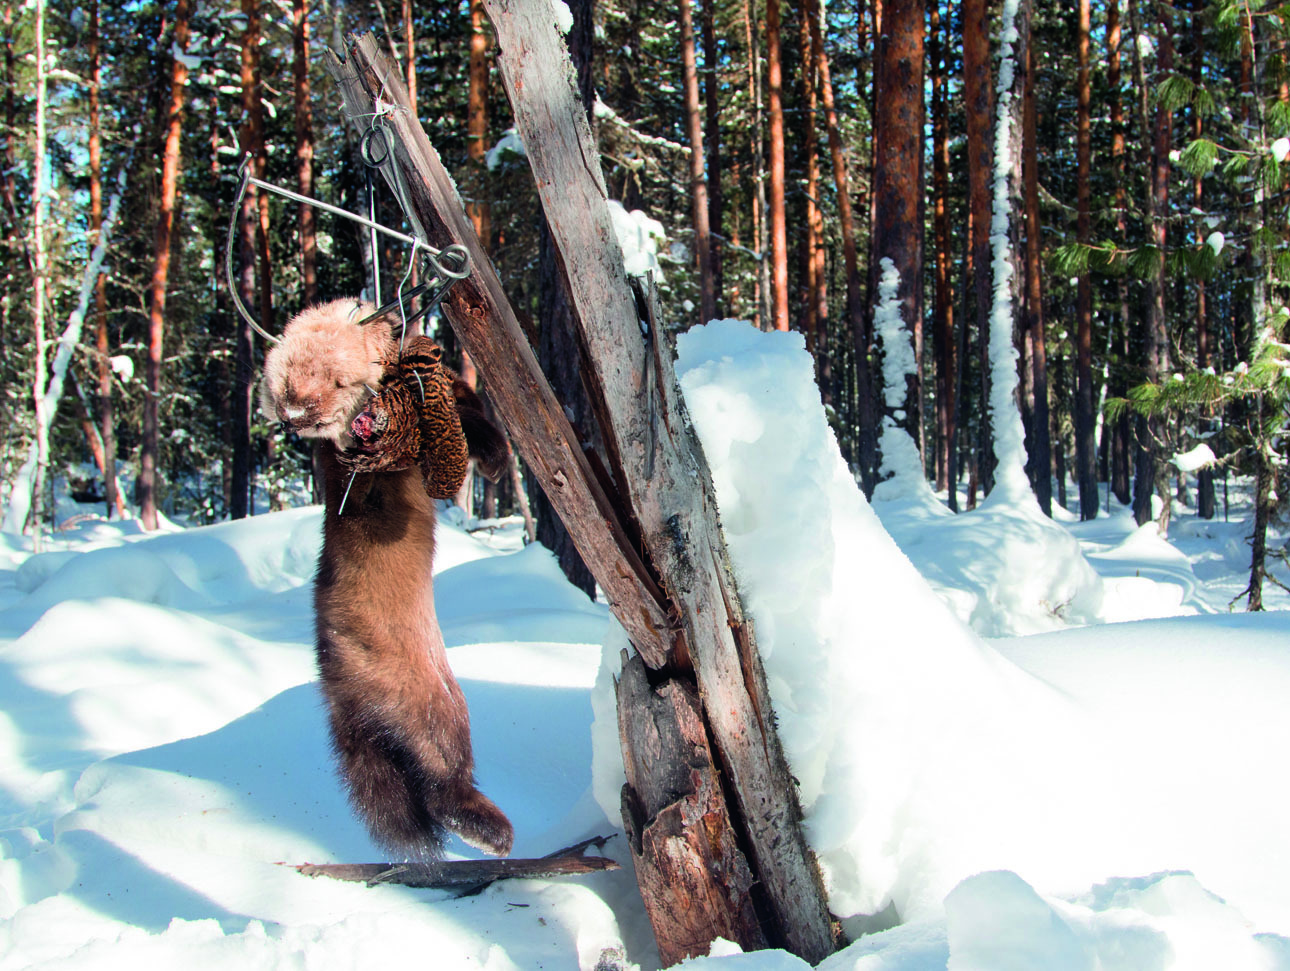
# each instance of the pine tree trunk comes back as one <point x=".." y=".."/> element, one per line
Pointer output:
<point x="1085" y="430"/>
<point x="251" y="138"/>
<point x="698" y="181"/>
<point x="39" y="274"/>
<point x="762" y="314"/>
<point x="778" y="215"/>
<point x="1205" y="499"/>
<point x="898" y="178"/>
<point x="712" y="120"/>
<point x="814" y="291"/>
<point x="945" y="344"/>
<point x="106" y="422"/>
<point x="979" y="105"/>
<point x="866" y="430"/>
<point x="304" y="150"/>
<point x="1041" y="441"/>
<point x="161" y="273"/>
<point x="1121" y="429"/>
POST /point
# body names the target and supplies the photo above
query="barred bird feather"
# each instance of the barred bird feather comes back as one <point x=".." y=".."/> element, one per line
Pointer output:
<point x="414" y="420"/>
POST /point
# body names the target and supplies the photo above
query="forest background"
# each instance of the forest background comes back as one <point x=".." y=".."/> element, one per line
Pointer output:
<point x="779" y="154"/>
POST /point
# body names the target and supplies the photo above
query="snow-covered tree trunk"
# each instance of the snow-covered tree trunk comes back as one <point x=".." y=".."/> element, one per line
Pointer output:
<point x="1011" y="484"/>
<point x="901" y="473"/>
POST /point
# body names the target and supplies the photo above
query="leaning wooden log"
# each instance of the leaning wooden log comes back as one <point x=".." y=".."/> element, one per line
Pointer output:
<point x="465" y="875"/>
<point x="649" y="530"/>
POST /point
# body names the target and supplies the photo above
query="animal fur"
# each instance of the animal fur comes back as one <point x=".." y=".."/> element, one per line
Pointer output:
<point x="399" y="723"/>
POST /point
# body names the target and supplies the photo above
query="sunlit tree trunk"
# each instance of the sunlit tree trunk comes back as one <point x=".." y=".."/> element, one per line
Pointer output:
<point x="815" y="305"/>
<point x="898" y="175"/>
<point x="161" y="273"/>
<point x="778" y="216"/>
<point x="40" y="270"/>
<point x="103" y="370"/>
<point x="761" y="314"/>
<point x="304" y="149"/>
<point x="1040" y="437"/>
<point x="846" y="226"/>
<point x="698" y="181"/>
<point x="712" y="119"/>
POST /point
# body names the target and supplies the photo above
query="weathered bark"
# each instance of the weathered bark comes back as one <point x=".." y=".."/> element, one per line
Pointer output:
<point x="147" y="482"/>
<point x="694" y="880"/>
<point x="698" y="182"/>
<point x="675" y="598"/>
<point x="557" y="343"/>
<point x="1085" y="432"/>
<point x="979" y="105"/>
<point x="898" y="177"/>
<point x="1033" y="317"/>
<point x="778" y="216"/>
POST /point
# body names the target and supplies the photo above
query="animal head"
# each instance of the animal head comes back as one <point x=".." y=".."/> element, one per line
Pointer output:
<point x="318" y="376"/>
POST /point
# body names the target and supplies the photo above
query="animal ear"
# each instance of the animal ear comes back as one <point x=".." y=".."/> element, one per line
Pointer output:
<point x="486" y="443"/>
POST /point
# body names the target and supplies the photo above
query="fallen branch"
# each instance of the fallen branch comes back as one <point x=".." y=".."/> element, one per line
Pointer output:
<point x="466" y="875"/>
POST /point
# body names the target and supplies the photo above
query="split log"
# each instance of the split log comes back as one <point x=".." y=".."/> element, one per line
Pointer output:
<point x="648" y="529"/>
<point x="694" y="880"/>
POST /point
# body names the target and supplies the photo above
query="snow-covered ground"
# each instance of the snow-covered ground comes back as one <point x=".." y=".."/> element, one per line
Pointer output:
<point x="1022" y="743"/>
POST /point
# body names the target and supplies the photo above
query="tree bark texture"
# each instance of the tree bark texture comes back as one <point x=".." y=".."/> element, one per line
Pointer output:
<point x="898" y="177"/>
<point x="161" y="273"/>
<point x="649" y="534"/>
<point x="1085" y="437"/>
<point x="979" y="105"/>
<point x="944" y="343"/>
<point x="1041" y="440"/>
<point x="698" y="181"/>
<point x="867" y="439"/>
<point x="777" y="213"/>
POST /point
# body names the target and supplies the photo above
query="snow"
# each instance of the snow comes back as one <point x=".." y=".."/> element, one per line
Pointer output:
<point x="1005" y="418"/>
<point x="902" y="465"/>
<point x="1101" y="788"/>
